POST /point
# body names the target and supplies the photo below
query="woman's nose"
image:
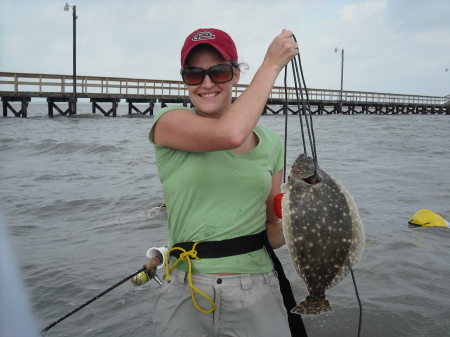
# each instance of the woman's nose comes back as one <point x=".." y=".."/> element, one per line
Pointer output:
<point x="207" y="83"/>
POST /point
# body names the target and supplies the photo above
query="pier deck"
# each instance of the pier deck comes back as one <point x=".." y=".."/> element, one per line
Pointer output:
<point x="21" y="87"/>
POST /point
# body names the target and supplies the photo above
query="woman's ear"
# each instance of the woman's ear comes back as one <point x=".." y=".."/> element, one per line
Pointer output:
<point x="237" y="76"/>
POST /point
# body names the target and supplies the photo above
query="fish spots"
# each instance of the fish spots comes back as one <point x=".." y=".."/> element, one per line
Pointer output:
<point x="297" y="239"/>
<point x="300" y="238"/>
<point x="323" y="231"/>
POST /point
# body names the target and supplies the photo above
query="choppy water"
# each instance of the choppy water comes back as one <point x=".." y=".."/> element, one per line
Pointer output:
<point x="69" y="174"/>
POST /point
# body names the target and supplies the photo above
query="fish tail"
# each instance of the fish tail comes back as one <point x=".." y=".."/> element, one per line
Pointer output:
<point x="310" y="306"/>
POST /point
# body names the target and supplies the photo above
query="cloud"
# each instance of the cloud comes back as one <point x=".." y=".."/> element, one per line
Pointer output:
<point x="390" y="46"/>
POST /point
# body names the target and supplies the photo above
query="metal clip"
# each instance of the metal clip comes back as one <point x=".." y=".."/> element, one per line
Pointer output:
<point x="158" y="280"/>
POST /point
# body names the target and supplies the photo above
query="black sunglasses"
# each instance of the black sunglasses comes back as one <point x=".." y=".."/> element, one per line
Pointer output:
<point x="220" y="73"/>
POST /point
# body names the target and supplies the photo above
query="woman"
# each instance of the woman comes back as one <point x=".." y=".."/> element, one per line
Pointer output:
<point x="220" y="173"/>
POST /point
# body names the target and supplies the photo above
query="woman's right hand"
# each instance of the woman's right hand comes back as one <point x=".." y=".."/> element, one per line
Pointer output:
<point x="282" y="49"/>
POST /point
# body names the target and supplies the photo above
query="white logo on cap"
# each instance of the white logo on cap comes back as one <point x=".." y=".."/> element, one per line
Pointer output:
<point x="204" y="35"/>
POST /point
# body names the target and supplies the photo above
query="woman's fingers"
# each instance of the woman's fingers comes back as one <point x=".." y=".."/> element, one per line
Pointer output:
<point x="282" y="49"/>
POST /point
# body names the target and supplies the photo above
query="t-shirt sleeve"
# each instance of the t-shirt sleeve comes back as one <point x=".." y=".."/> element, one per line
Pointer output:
<point x="279" y="163"/>
<point x="273" y="147"/>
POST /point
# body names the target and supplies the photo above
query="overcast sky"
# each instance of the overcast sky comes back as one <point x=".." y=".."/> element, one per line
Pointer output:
<point x="391" y="46"/>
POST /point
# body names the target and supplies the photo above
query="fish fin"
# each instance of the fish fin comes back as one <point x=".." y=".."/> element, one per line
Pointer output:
<point x="310" y="307"/>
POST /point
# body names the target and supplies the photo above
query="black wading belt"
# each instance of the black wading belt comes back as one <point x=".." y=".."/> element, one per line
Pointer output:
<point x="224" y="248"/>
<point x="248" y="244"/>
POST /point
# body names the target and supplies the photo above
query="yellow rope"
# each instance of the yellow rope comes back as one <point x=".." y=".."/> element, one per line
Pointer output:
<point x="187" y="255"/>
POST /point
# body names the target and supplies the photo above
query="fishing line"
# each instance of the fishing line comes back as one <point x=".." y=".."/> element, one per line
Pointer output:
<point x="44" y="331"/>
<point x="359" y="301"/>
<point x="97" y="227"/>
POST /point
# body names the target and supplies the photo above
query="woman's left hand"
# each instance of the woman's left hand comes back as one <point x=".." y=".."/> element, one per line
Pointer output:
<point x="275" y="233"/>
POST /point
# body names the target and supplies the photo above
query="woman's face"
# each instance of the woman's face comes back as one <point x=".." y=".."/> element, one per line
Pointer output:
<point x="210" y="99"/>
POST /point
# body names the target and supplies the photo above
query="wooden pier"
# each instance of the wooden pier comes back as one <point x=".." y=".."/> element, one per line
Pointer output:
<point x="21" y="87"/>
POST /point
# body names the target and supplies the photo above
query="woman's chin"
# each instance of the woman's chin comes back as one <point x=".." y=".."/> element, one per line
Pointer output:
<point x="209" y="110"/>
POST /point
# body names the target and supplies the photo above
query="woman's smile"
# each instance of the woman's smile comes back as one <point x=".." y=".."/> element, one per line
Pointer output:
<point x="209" y="98"/>
<point x="209" y="94"/>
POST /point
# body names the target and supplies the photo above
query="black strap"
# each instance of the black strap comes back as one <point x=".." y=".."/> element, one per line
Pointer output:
<point x="295" y="321"/>
<point x="224" y="248"/>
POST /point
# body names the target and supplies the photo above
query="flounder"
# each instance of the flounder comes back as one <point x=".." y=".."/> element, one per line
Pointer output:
<point x="323" y="231"/>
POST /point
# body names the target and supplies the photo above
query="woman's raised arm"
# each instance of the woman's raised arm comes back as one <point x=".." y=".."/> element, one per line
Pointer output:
<point x="183" y="130"/>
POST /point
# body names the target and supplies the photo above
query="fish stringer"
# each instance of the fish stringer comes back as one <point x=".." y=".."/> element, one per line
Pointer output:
<point x="303" y="109"/>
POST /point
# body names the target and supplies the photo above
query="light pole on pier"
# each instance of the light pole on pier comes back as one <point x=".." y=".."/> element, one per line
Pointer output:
<point x="342" y="75"/>
<point x="74" y="13"/>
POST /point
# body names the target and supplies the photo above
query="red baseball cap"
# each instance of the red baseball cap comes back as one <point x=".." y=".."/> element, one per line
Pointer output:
<point x="216" y="38"/>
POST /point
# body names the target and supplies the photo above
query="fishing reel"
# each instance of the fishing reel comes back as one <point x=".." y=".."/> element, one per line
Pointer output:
<point x="157" y="258"/>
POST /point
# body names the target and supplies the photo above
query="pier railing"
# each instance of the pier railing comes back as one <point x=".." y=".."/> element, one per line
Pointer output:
<point x="35" y="85"/>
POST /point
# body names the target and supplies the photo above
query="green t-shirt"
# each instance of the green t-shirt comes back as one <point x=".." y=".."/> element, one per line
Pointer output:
<point x="219" y="195"/>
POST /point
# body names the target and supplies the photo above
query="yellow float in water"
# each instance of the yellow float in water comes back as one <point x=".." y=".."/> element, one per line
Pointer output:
<point x="427" y="218"/>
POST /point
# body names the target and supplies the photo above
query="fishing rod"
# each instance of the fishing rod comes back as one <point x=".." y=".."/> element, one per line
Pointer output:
<point x="138" y="280"/>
